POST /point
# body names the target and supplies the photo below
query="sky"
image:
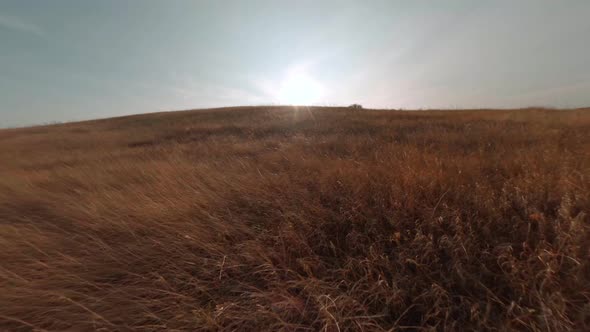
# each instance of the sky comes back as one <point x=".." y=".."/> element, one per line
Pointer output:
<point x="67" y="60"/>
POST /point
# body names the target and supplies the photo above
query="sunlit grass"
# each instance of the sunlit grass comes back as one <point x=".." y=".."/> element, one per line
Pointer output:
<point x="280" y="219"/>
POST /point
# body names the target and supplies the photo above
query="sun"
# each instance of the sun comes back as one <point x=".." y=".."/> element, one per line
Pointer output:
<point x="299" y="88"/>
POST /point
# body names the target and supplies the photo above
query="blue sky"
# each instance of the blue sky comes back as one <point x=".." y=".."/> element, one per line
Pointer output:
<point x="72" y="60"/>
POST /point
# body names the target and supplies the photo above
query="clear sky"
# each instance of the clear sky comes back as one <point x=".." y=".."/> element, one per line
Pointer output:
<point x="76" y="59"/>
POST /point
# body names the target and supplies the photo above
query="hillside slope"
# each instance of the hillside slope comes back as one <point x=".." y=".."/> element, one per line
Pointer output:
<point x="298" y="219"/>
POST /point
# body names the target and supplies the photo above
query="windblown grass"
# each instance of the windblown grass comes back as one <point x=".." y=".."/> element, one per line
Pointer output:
<point x="298" y="219"/>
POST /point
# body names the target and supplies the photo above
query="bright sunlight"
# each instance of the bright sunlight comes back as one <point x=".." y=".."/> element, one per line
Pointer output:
<point x="299" y="88"/>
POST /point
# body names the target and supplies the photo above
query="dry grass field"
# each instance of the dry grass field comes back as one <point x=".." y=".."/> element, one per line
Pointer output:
<point x="283" y="219"/>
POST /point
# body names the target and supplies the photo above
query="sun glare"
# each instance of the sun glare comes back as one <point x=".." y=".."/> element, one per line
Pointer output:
<point x="299" y="88"/>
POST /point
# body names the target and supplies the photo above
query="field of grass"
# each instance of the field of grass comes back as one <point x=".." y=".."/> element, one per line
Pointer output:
<point x="275" y="218"/>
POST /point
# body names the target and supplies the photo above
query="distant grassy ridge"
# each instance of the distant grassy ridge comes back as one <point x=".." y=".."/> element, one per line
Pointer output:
<point x="298" y="219"/>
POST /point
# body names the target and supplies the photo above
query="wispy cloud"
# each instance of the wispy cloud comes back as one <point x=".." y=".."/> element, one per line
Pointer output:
<point x="17" y="24"/>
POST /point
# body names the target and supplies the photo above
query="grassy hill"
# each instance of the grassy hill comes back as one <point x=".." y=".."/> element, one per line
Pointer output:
<point x="275" y="218"/>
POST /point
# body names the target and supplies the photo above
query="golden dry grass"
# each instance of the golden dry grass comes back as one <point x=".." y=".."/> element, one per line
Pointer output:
<point x="321" y="219"/>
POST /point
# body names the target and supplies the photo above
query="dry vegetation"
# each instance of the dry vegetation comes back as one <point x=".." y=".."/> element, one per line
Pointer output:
<point x="312" y="219"/>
